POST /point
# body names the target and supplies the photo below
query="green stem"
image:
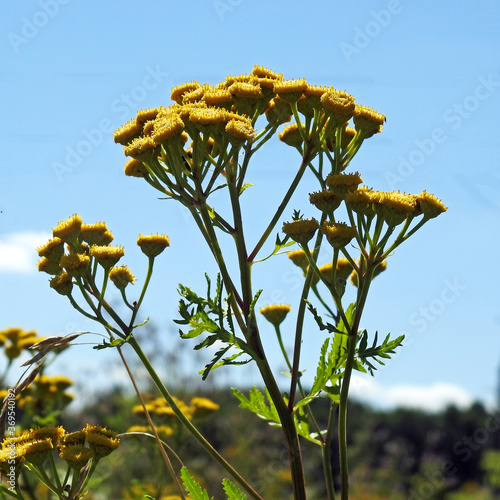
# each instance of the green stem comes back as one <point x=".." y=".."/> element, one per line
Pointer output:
<point x="301" y="389"/>
<point x="364" y="285"/>
<point x="326" y="454"/>
<point x="187" y="423"/>
<point x="6" y="490"/>
<point x="253" y="337"/>
<point x="342" y="429"/>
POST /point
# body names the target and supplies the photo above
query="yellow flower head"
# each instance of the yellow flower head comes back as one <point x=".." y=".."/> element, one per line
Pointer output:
<point x="37" y="451"/>
<point x="127" y="132"/>
<point x="338" y="105"/>
<point x="290" y="90"/>
<point x="27" y="339"/>
<point x="195" y="95"/>
<point x="275" y="313"/>
<point x="69" y="229"/>
<point x="311" y="100"/>
<point x="291" y="136"/>
<point x="326" y="271"/>
<point x="341" y="184"/>
<point x="429" y="205"/>
<point x="395" y="207"/>
<point x="140" y="147"/>
<point x="203" y="407"/>
<point x="11" y="457"/>
<point x="121" y="277"/>
<point x="298" y="257"/>
<point x="301" y="231"/>
<point x="338" y="234"/>
<point x="55" y="434"/>
<point x="166" y="128"/>
<point x="101" y="440"/>
<point x="247" y="96"/>
<point x="245" y="78"/>
<point x="15" y="340"/>
<point x="52" y="250"/>
<point x="57" y="382"/>
<point x="135" y="168"/>
<point x="262" y="72"/>
<point x="96" y="234"/>
<point x="326" y="201"/>
<point x="343" y="269"/>
<point x="368" y="120"/>
<point x="278" y="110"/>
<point x="239" y="131"/>
<point x="62" y="284"/>
<point x="207" y="116"/>
<point x="148" y="114"/>
<point x="179" y="91"/>
<point x="153" y="245"/>
<point x="75" y="264"/>
<point x="246" y="90"/>
<point x="362" y="200"/>
<point x="76" y="456"/>
<point x="49" y="266"/>
<point x="218" y="96"/>
<point x="74" y="438"/>
<point x="107" y="256"/>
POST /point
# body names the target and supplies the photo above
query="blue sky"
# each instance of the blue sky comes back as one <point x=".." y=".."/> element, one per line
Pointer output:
<point x="72" y="72"/>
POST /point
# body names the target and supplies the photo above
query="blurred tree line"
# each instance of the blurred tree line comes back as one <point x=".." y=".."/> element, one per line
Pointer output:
<point x="400" y="454"/>
<point x="394" y="455"/>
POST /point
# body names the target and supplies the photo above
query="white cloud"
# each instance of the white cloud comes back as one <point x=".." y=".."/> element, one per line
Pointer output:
<point x="432" y="398"/>
<point x="18" y="251"/>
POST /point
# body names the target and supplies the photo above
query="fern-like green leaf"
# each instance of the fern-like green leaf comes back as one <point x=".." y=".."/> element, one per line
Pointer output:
<point x="192" y="486"/>
<point x="232" y="492"/>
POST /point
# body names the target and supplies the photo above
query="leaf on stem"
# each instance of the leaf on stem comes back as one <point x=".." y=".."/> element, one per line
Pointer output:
<point x="193" y="487"/>
<point x="375" y="352"/>
<point x="322" y="326"/>
<point x="260" y="404"/>
<point x="232" y="492"/>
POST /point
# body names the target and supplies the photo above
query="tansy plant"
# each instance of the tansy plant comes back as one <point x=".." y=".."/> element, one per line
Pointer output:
<point x="204" y="142"/>
<point x="62" y="461"/>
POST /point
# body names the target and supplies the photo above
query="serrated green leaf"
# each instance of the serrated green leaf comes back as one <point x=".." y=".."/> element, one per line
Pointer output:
<point x="254" y="301"/>
<point x="368" y="355"/>
<point x="192" y="486"/>
<point x="217" y="357"/>
<point x="232" y="492"/>
<point x="322" y="326"/>
<point x="259" y="404"/>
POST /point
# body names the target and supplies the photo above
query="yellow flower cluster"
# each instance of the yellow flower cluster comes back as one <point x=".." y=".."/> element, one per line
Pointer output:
<point x="77" y="448"/>
<point x="394" y="207"/>
<point x="178" y="142"/>
<point x="46" y="394"/>
<point x="163" y="414"/>
<point x="15" y="340"/>
<point x="70" y="254"/>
